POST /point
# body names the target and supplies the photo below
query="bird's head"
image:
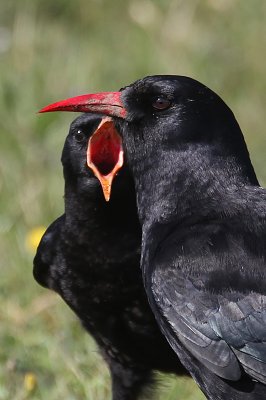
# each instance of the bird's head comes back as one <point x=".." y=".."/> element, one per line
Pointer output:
<point x="92" y="149"/>
<point x="165" y="113"/>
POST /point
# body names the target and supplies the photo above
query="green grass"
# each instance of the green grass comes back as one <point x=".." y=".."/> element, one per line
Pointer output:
<point x="51" y="50"/>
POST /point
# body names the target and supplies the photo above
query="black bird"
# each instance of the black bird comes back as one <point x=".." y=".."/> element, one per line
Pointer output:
<point x="203" y="218"/>
<point x="91" y="256"/>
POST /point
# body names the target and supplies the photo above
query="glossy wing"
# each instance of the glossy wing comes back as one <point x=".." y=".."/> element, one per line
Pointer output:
<point x="222" y="329"/>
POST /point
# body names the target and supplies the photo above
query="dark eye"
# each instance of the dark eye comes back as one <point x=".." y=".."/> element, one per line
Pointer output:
<point x="79" y="135"/>
<point x="161" y="103"/>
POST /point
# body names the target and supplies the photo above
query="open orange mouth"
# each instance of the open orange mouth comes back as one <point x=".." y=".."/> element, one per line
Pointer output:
<point x="105" y="154"/>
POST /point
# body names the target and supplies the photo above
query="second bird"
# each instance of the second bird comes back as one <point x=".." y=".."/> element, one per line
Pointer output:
<point x="91" y="257"/>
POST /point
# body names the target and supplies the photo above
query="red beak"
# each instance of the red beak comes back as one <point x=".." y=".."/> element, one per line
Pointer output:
<point x="108" y="103"/>
<point x="104" y="152"/>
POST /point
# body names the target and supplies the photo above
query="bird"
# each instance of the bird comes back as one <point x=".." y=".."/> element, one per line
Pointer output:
<point x="203" y="218"/>
<point x="90" y="256"/>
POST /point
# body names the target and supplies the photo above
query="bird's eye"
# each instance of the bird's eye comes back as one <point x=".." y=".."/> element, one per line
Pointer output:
<point x="161" y="103"/>
<point x="79" y="135"/>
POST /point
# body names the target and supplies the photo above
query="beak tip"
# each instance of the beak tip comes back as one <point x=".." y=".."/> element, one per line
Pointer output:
<point x="107" y="194"/>
<point x="44" y="110"/>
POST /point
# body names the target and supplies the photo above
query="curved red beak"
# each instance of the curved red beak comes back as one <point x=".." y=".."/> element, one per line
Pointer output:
<point x="108" y="103"/>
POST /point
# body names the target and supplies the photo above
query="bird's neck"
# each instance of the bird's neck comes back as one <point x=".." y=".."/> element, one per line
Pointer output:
<point x="196" y="183"/>
<point x="82" y="207"/>
<point x="87" y="210"/>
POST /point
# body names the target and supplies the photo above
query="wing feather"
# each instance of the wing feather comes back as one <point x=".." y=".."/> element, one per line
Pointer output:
<point x="220" y="332"/>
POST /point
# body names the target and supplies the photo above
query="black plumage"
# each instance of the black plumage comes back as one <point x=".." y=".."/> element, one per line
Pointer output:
<point x="90" y="256"/>
<point x="203" y="218"/>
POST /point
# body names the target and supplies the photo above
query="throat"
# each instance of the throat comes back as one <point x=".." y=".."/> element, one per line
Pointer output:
<point x="87" y="210"/>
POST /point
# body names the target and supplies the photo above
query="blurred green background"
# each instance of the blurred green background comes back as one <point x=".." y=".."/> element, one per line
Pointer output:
<point x="55" y="49"/>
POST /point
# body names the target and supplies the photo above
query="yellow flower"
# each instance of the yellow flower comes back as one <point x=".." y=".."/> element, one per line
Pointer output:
<point x="34" y="236"/>
<point x="30" y="381"/>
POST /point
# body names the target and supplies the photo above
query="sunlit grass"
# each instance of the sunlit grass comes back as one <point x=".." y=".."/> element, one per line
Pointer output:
<point x="51" y="50"/>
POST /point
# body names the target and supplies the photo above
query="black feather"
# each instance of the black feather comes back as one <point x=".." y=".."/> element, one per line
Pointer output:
<point x="203" y="219"/>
